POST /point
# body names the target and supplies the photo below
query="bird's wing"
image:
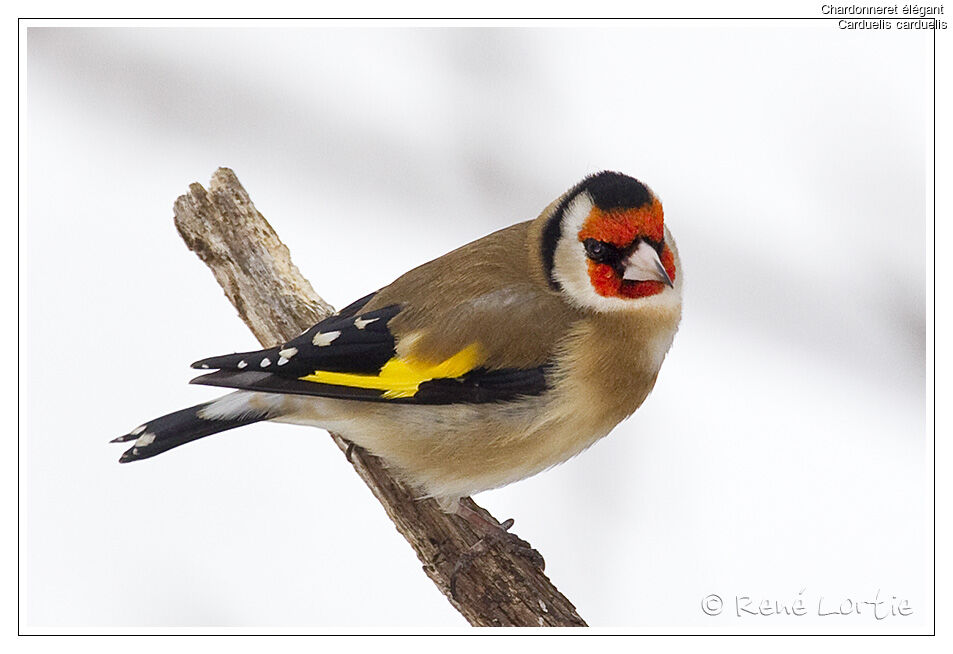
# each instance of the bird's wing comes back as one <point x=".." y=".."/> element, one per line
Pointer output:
<point x="472" y="326"/>
<point x="353" y="355"/>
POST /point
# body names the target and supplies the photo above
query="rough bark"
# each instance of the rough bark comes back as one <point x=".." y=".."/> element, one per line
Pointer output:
<point x="499" y="587"/>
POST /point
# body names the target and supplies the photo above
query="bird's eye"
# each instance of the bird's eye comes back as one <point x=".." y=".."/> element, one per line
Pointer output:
<point x="598" y="251"/>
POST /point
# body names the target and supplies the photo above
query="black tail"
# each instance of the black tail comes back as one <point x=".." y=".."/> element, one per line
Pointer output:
<point x="185" y="426"/>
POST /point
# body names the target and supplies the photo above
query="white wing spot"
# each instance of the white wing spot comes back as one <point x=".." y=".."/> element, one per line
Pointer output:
<point x="242" y="364"/>
<point x="361" y="324"/>
<point x="288" y="353"/>
<point x="282" y="361"/>
<point x="265" y="362"/>
<point x="322" y="339"/>
<point x="205" y="365"/>
<point x="145" y="439"/>
<point x="138" y="430"/>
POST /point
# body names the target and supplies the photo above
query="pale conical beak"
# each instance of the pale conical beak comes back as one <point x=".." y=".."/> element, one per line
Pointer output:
<point x="644" y="265"/>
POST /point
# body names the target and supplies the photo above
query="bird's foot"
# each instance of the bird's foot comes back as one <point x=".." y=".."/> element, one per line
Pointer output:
<point x="492" y="533"/>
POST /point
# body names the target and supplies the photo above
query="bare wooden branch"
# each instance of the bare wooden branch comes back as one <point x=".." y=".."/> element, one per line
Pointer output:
<point x="499" y="587"/>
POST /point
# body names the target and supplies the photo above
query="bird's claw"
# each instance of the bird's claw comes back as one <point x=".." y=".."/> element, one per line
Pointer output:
<point x="509" y="542"/>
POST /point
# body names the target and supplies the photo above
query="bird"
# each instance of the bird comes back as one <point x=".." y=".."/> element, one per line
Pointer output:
<point x="487" y="365"/>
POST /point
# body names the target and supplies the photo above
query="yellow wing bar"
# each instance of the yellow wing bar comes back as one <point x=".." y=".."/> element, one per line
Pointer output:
<point x="402" y="377"/>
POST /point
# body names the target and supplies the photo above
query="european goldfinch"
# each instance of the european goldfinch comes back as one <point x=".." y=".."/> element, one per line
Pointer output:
<point x="487" y="365"/>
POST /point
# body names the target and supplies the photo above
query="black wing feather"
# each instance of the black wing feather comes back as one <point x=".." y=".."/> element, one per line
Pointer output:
<point x="362" y="343"/>
<point x="477" y="387"/>
<point x="363" y="349"/>
<point x="483" y="386"/>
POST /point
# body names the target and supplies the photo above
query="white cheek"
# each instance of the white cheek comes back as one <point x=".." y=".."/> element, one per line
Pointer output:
<point x="571" y="270"/>
<point x="570" y="264"/>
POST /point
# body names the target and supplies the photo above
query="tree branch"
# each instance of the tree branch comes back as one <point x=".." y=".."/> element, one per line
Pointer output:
<point x="251" y="264"/>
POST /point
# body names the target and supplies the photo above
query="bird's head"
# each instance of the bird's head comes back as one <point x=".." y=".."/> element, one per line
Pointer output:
<point x="605" y="245"/>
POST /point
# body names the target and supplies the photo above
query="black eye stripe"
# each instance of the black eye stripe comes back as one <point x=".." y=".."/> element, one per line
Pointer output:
<point x="600" y="251"/>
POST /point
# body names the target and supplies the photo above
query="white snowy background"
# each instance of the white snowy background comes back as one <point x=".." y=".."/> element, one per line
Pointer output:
<point x="782" y="454"/>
